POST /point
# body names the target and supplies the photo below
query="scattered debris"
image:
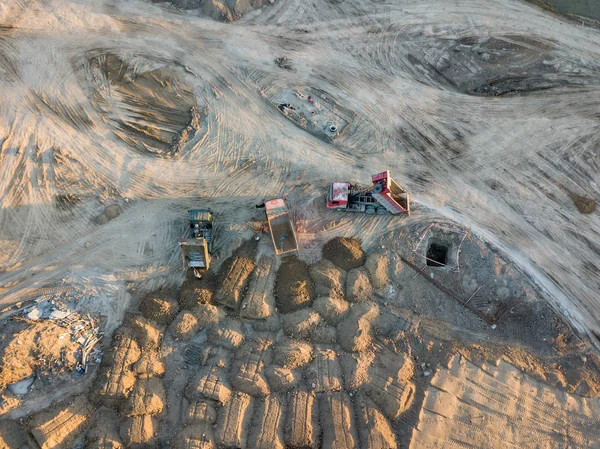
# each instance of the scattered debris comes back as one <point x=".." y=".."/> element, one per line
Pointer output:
<point x="284" y="62"/>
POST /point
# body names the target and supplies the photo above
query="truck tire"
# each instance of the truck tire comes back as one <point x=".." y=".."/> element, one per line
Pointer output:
<point x="370" y="209"/>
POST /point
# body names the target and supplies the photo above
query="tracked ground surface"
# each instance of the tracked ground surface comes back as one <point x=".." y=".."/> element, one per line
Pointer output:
<point x="522" y="167"/>
<point x="118" y="117"/>
<point x="367" y="375"/>
<point x="475" y="405"/>
<point x="152" y="110"/>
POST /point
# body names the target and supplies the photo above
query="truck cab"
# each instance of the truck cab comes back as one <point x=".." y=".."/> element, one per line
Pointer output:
<point x="337" y="197"/>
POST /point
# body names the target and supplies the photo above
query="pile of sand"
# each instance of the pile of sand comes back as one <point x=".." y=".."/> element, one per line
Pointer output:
<point x="59" y="426"/>
<point x="11" y="435"/>
<point x="104" y="433"/>
<point x="197" y="291"/>
<point x="147" y="333"/>
<point x="344" y="253"/>
<point x="159" y="307"/>
<point x="232" y="281"/>
<point x="294" y="289"/>
<point x="149" y="364"/>
<point x="185" y="326"/>
<point x="293" y="354"/>
<point x="358" y="285"/>
<point x="42" y="347"/>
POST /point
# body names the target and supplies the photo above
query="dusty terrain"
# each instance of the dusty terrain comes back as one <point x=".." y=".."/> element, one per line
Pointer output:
<point x="345" y="360"/>
<point x="118" y="116"/>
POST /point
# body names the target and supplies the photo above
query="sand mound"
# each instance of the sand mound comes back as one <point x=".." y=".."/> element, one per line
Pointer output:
<point x="114" y="385"/>
<point x="42" y="346"/>
<point x="378" y="265"/>
<point x="11" y="435"/>
<point x="185" y="326"/>
<point x="294" y="289"/>
<point x="373" y="427"/>
<point x="358" y="285"/>
<point x="208" y="315"/>
<point x="124" y="350"/>
<point x="150" y="364"/>
<point x="344" y="253"/>
<point x="337" y="420"/>
<point x="282" y="379"/>
<point x="196" y="291"/>
<point x="266" y="431"/>
<point x="110" y="213"/>
<point x="139" y="432"/>
<point x="293" y="354"/>
<point x="147" y="333"/>
<point x="228" y="334"/>
<point x="584" y="205"/>
<point x="58" y="427"/>
<point x="332" y="308"/>
<point x="159" y="307"/>
<point x="301" y="422"/>
<point x="324" y="374"/>
<point x="147" y="398"/>
<point x="104" y="433"/>
<point x="232" y="281"/>
<point x="195" y="436"/>
<point x="198" y="412"/>
<point x="328" y="278"/>
<point x="248" y="367"/>
<point x="301" y="324"/>
<point x="233" y="422"/>
<point x="355" y="333"/>
<point x="260" y="301"/>
<point x="116" y="380"/>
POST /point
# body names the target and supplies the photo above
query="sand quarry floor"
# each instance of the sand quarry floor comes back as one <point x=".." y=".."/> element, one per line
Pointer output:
<point x="118" y="116"/>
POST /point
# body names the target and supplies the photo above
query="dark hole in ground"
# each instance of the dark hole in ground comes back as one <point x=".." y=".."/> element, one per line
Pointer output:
<point x="437" y="254"/>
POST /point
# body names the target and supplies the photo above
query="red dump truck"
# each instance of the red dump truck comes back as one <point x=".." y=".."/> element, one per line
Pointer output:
<point x="282" y="229"/>
<point x="383" y="196"/>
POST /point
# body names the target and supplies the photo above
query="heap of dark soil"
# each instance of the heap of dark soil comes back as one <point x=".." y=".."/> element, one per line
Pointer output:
<point x="584" y="205"/>
<point x="344" y="253"/>
<point x="294" y="289"/>
<point x="197" y="291"/>
<point x="159" y="307"/>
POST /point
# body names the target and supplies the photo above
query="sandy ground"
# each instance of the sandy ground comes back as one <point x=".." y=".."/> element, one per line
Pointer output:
<point x="118" y="116"/>
<point x="414" y="73"/>
<point x="352" y="351"/>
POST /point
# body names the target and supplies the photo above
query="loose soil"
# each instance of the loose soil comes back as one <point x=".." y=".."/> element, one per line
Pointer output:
<point x="294" y="289"/>
<point x="159" y="307"/>
<point x="148" y="111"/>
<point x="361" y="370"/>
<point x="344" y="253"/>
<point x="197" y="291"/>
<point x="43" y="348"/>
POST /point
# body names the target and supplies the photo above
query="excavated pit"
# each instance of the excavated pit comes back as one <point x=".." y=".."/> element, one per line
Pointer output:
<point x="490" y="66"/>
<point x="152" y="109"/>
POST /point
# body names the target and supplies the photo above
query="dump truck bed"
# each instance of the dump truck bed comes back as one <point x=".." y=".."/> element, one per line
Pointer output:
<point x="195" y="253"/>
<point x="389" y="194"/>
<point x="282" y="229"/>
